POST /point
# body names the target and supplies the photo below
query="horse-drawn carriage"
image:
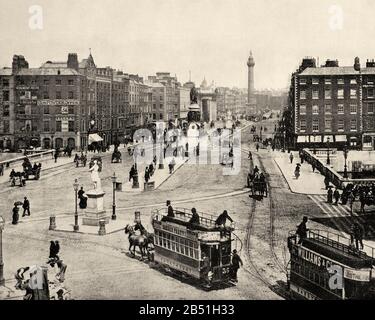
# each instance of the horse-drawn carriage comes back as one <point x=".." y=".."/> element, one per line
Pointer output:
<point x="80" y="160"/>
<point x="258" y="186"/>
<point x="32" y="171"/>
<point x="116" y="157"/>
<point x="17" y="177"/>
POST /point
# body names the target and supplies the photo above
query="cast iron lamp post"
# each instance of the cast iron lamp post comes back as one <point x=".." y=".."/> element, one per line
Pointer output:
<point x="2" y="225"/>
<point x="114" y="196"/>
<point x="75" y="186"/>
<point x="328" y="159"/>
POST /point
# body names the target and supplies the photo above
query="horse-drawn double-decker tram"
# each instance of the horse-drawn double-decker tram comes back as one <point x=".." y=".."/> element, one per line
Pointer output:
<point x="200" y="251"/>
<point x="325" y="266"/>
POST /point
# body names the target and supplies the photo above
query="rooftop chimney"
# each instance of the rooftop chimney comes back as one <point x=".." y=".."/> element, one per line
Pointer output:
<point x="19" y="63"/>
<point x="331" y="63"/>
<point x="73" y="61"/>
<point x="357" y="65"/>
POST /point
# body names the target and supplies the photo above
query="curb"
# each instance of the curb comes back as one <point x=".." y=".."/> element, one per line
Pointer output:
<point x="290" y="189"/>
<point x="173" y="173"/>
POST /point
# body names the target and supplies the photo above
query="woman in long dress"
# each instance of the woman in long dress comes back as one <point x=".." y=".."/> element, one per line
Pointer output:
<point x="95" y="175"/>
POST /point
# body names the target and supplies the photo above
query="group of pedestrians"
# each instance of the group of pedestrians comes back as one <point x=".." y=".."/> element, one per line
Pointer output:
<point x="333" y="197"/>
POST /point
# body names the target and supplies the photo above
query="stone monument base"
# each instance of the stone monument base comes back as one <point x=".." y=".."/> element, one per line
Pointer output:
<point x="95" y="208"/>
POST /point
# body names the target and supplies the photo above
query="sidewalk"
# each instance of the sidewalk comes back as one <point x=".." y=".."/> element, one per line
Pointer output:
<point x="309" y="182"/>
<point x="159" y="176"/>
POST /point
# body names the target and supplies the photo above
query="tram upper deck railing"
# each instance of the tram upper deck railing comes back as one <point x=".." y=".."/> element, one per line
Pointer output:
<point x="182" y="214"/>
<point x="340" y="243"/>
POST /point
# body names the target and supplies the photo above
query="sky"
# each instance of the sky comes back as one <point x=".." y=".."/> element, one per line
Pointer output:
<point x="211" y="38"/>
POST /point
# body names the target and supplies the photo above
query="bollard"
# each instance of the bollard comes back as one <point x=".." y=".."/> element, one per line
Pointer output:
<point x="52" y="223"/>
<point x="102" y="231"/>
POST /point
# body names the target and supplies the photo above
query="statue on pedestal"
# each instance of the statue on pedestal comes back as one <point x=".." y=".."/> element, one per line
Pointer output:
<point x="95" y="176"/>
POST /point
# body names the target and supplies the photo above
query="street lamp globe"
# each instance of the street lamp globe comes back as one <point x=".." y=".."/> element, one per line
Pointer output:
<point x="75" y="185"/>
<point x="2" y="223"/>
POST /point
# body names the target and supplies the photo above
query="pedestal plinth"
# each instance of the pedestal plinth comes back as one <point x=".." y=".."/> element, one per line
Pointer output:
<point x="95" y="208"/>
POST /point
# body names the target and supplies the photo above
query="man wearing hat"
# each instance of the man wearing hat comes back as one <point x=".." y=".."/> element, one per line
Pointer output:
<point x="236" y="262"/>
<point x="170" y="209"/>
<point x="302" y="230"/>
<point x="221" y="220"/>
<point x="26" y="207"/>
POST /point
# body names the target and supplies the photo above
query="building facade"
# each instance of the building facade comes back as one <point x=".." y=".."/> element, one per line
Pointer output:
<point x="333" y="105"/>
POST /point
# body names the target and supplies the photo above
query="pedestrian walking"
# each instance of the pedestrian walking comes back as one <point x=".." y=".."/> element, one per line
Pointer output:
<point x="329" y="195"/>
<point x="250" y="156"/>
<point x="313" y="167"/>
<point x="147" y="175"/>
<point x="336" y="195"/>
<point x="1" y="169"/>
<point x="302" y="230"/>
<point x="15" y="215"/>
<point x="257" y="147"/>
<point x="151" y="169"/>
<point x="56" y="155"/>
<point x="131" y="173"/>
<point x="235" y="265"/>
<point x="26" y="207"/>
<point x="291" y="157"/>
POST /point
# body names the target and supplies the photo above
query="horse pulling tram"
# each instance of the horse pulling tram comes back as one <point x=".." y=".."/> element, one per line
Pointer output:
<point x="319" y="257"/>
<point x="257" y="186"/>
<point x="199" y="251"/>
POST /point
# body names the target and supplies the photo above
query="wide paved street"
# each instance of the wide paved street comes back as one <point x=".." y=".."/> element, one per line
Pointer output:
<point x="101" y="268"/>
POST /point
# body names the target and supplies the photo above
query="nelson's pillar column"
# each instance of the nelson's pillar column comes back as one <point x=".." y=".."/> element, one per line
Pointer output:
<point x="251" y="101"/>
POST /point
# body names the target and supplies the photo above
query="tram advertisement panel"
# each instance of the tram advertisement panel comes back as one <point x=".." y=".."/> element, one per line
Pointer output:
<point x="363" y="275"/>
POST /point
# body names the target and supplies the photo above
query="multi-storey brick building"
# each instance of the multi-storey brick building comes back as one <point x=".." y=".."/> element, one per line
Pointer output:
<point x="332" y="104"/>
<point x="61" y="103"/>
<point x="169" y="98"/>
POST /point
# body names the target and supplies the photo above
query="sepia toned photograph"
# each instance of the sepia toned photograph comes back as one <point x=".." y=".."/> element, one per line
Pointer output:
<point x="187" y="150"/>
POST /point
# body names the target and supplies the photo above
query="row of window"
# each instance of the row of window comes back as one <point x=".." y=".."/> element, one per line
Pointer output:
<point x="340" y="108"/>
<point x="58" y="82"/>
<point x="177" y="244"/>
<point x="58" y="95"/>
<point x="328" y="94"/>
<point x="303" y="81"/>
<point x="328" y="125"/>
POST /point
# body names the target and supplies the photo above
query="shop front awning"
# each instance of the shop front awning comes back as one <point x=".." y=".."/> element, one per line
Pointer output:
<point x="302" y="139"/>
<point x="328" y="137"/>
<point x="341" y="138"/>
<point x="94" y="138"/>
<point x="316" y="138"/>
